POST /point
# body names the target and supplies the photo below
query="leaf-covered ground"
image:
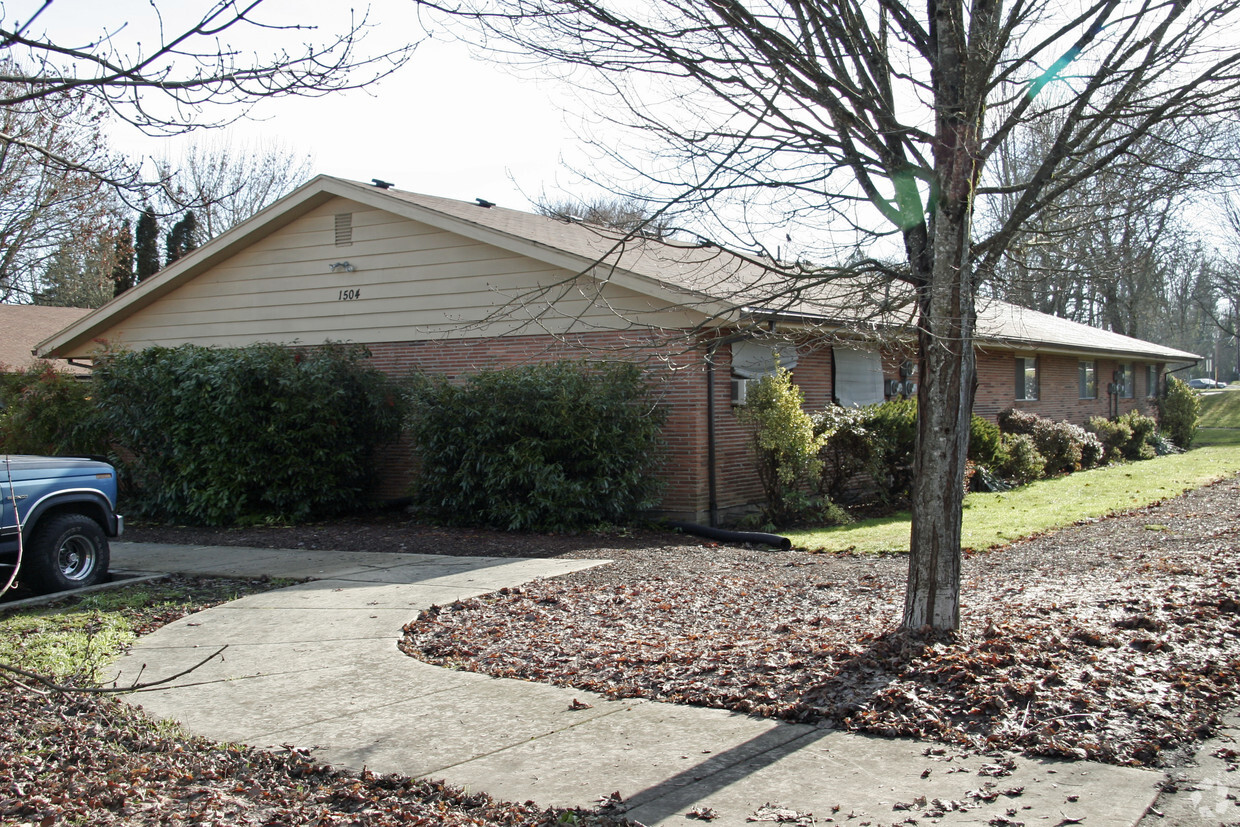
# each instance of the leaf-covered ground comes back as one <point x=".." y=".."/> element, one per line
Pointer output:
<point x="1116" y="640"/>
<point x="72" y="758"/>
<point x="89" y="760"/>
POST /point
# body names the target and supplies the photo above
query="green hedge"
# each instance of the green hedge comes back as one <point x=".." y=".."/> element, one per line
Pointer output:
<point x="45" y="411"/>
<point x="552" y="447"/>
<point x="263" y="433"/>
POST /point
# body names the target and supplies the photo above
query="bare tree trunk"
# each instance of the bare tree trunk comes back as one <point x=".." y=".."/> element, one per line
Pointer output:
<point x="945" y="294"/>
<point x="944" y="409"/>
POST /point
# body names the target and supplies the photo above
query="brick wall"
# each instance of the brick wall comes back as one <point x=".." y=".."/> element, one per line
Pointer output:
<point x="1059" y="395"/>
<point x="679" y="376"/>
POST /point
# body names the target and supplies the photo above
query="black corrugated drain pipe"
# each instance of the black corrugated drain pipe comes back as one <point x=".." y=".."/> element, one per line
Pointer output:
<point x="762" y="538"/>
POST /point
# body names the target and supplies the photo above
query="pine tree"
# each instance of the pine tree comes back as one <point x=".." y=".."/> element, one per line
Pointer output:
<point x="181" y="239"/>
<point x="146" y="246"/>
<point x="122" y="270"/>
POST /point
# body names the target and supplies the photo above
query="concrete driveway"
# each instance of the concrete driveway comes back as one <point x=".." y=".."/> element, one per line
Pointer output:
<point x="316" y="666"/>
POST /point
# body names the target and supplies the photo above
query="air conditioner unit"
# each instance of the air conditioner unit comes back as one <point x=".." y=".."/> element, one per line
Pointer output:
<point x="740" y="390"/>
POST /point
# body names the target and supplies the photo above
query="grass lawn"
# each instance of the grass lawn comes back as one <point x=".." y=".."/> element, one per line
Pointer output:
<point x="995" y="519"/>
<point x="75" y="639"/>
<point x="1220" y="410"/>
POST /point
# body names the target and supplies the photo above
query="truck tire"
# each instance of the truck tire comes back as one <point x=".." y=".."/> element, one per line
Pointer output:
<point x="67" y="551"/>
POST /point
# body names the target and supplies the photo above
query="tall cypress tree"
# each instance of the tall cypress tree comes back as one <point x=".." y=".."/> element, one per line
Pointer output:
<point x="181" y="239"/>
<point x="146" y="246"/>
<point x="122" y="269"/>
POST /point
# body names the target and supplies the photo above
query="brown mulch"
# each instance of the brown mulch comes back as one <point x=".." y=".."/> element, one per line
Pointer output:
<point x="75" y="759"/>
<point x="1116" y="640"/>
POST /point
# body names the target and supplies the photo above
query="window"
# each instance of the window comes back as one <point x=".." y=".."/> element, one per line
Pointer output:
<point x="1151" y="380"/>
<point x="858" y="376"/>
<point x="1027" y="377"/>
<point x="344" y="229"/>
<point x="1125" y="381"/>
<point x="753" y="360"/>
<point x="1087" y="379"/>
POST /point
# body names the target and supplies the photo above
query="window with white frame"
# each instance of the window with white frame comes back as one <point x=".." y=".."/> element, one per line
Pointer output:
<point x="1027" y="377"/>
<point x="1087" y="379"/>
<point x="1151" y="380"/>
<point x="858" y="376"/>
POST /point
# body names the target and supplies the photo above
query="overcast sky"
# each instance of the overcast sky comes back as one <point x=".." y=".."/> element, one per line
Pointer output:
<point x="445" y="124"/>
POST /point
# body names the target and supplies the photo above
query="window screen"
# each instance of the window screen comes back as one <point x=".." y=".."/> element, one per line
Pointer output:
<point x="753" y="360"/>
<point x="858" y="376"/>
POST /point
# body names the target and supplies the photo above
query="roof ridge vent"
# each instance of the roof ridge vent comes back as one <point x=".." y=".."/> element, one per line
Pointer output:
<point x="381" y="184"/>
<point x="485" y="204"/>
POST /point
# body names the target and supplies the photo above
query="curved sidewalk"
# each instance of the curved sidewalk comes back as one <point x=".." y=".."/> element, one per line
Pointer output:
<point x="316" y="666"/>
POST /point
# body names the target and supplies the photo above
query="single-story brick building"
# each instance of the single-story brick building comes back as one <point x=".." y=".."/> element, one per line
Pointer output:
<point x="451" y="287"/>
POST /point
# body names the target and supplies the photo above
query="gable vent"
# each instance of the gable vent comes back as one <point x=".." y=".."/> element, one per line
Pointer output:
<point x="344" y="229"/>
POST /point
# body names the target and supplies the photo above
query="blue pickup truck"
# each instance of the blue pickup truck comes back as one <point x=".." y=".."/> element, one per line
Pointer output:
<point x="63" y="509"/>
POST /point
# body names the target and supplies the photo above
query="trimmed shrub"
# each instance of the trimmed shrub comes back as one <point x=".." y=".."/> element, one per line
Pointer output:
<point x="1021" y="461"/>
<point x="1012" y="421"/>
<point x="46" y="411"/>
<point x="1179" y="411"/>
<point x="1059" y="446"/>
<point x="785" y="446"/>
<point x="894" y="424"/>
<point x="849" y="447"/>
<point x="551" y="447"/>
<point x="263" y="433"/>
<point x="1143" y="430"/>
<point x="1114" y="436"/>
<point x="1092" y="450"/>
<point x="985" y="442"/>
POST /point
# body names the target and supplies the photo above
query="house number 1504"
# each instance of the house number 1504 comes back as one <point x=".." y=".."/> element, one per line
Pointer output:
<point x="349" y="295"/>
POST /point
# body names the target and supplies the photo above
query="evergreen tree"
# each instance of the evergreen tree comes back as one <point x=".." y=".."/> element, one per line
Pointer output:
<point x="181" y="239"/>
<point x="122" y="269"/>
<point x="146" y="246"/>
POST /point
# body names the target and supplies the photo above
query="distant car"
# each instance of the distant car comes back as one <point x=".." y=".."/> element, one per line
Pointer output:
<point x="1205" y="384"/>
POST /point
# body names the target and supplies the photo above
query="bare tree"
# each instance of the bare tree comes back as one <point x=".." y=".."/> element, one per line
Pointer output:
<point x="183" y="77"/>
<point x="627" y="214"/>
<point x="225" y="184"/>
<point x="45" y="201"/>
<point x="878" y="119"/>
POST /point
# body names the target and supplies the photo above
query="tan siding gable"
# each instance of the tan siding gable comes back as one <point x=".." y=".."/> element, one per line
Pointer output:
<point x="410" y="281"/>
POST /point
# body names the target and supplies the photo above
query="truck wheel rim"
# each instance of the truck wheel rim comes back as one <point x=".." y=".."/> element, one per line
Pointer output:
<point x="76" y="558"/>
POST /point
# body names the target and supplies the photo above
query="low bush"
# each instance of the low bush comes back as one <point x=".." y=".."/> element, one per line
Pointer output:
<point x="1021" y="461"/>
<point x="1179" y="411"/>
<point x="849" y="447"/>
<point x="1143" y="428"/>
<point x="1059" y="443"/>
<point x="894" y="425"/>
<point x="46" y="411"/>
<point x="552" y="447"/>
<point x="985" y="442"/>
<point x="265" y="433"/>
<point x="1012" y="421"/>
<point x="785" y="447"/>
<point x="1113" y="435"/>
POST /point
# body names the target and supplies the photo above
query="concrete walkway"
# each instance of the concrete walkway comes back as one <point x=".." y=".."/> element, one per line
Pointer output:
<point x="316" y="666"/>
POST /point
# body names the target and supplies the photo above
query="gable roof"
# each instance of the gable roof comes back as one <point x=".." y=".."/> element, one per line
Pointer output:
<point x="25" y="325"/>
<point x="716" y="282"/>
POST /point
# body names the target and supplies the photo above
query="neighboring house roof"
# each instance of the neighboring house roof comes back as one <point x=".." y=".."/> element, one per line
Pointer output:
<point x="702" y="277"/>
<point x="25" y="325"/>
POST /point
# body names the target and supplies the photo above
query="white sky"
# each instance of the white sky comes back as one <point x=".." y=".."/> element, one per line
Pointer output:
<point x="444" y="124"/>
